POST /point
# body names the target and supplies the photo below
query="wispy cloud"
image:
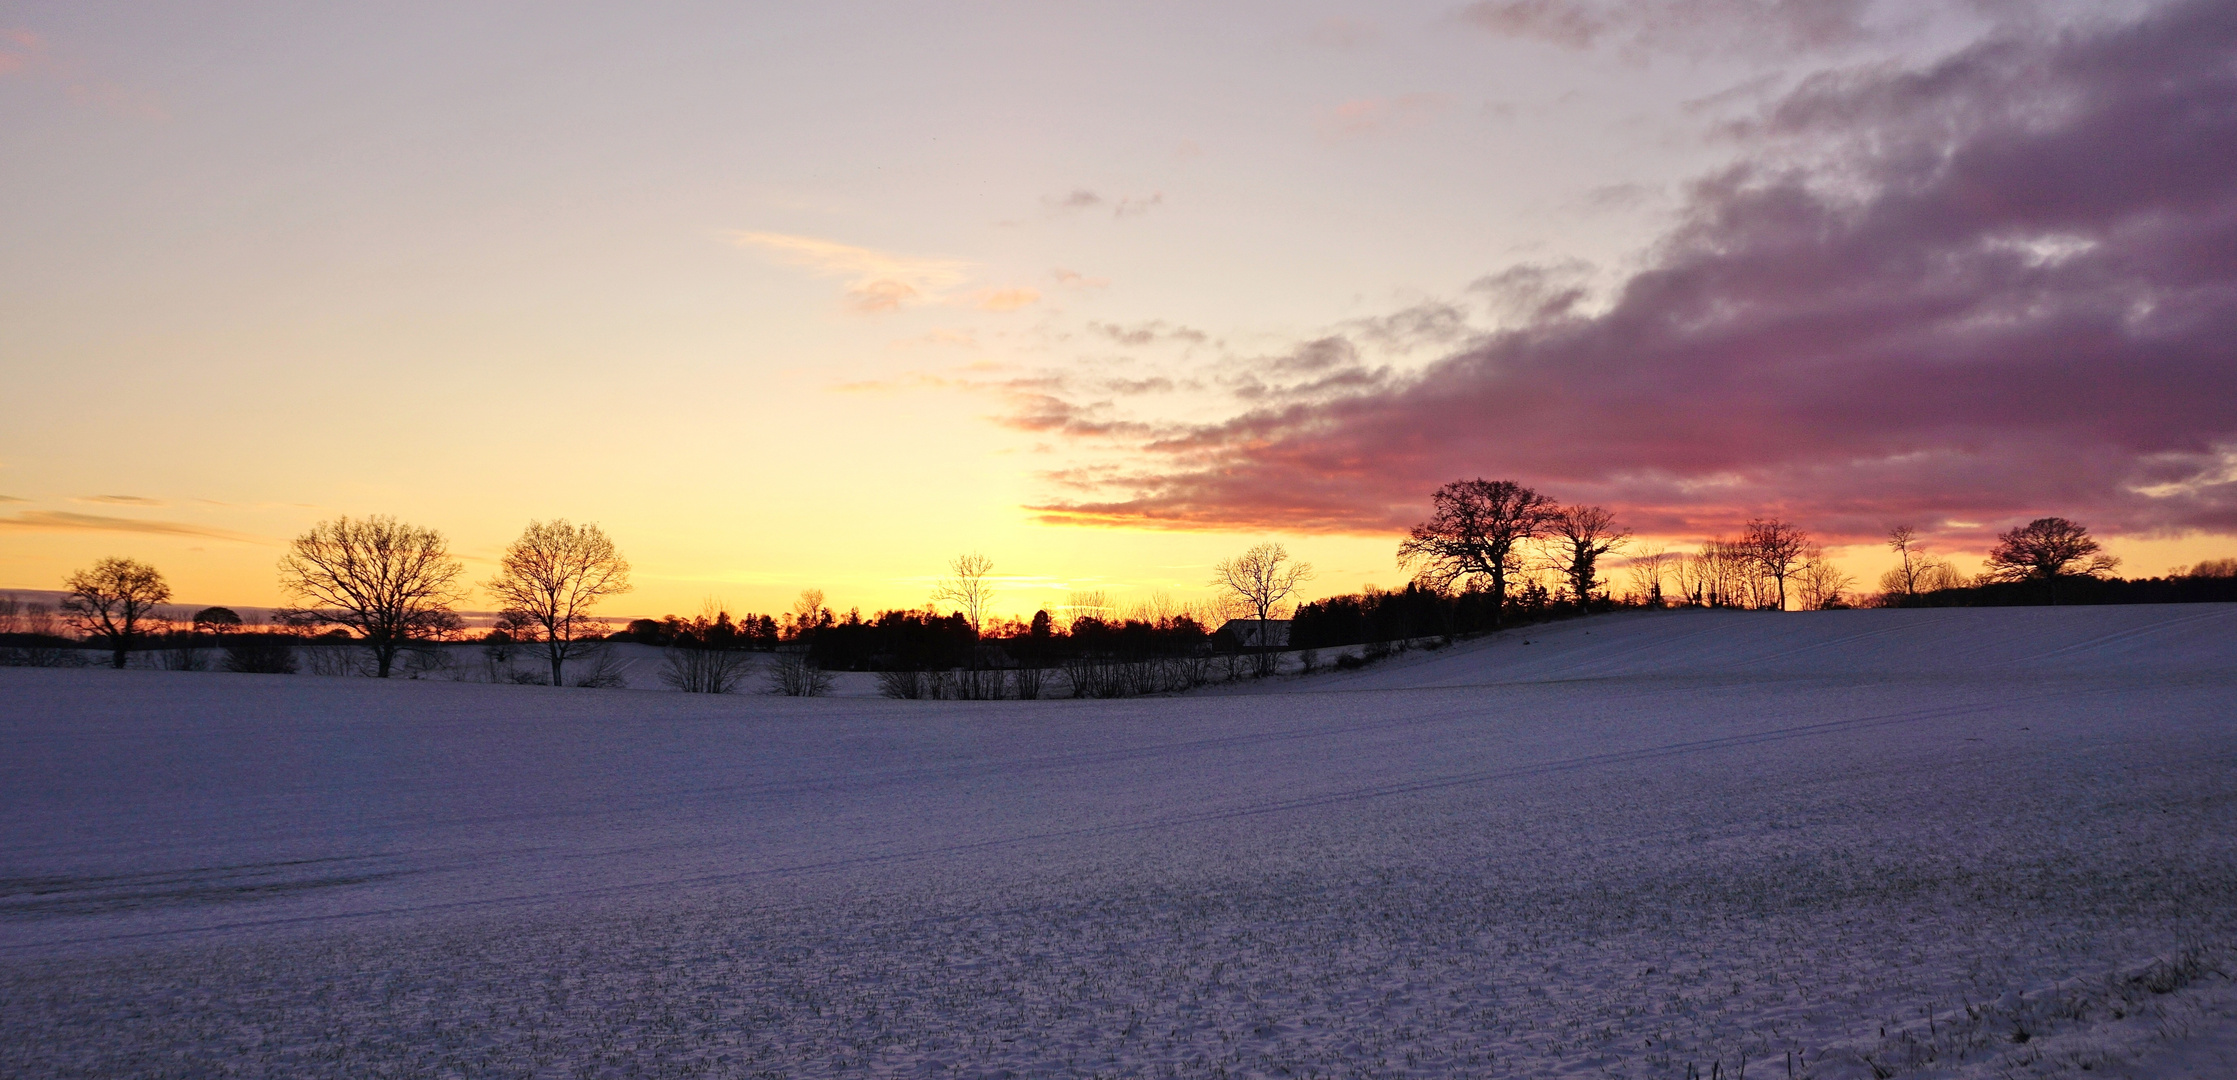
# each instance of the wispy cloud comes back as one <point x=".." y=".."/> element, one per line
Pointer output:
<point x="1695" y="27"/>
<point x="1371" y="116"/>
<point x="26" y="54"/>
<point x="1085" y="200"/>
<point x="1073" y="279"/>
<point x="1072" y="403"/>
<point x="1075" y="199"/>
<point x="882" y="281"/>
<point x="67" y="521"/>
<point x="1137" y="205"/>
<point x="876" y="281"/>
<point x="1006" y="299"/>
<point x="1149" y="333"/>
<point x="20" y="50"/>
<point x="119" y="500"/>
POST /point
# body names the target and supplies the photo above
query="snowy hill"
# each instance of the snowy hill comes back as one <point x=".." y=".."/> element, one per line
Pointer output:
<point x="1965" y="642"/>
<point x="1947" y="843"/>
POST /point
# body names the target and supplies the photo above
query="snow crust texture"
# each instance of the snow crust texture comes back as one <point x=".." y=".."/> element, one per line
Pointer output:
<point x="1857" y="844"/>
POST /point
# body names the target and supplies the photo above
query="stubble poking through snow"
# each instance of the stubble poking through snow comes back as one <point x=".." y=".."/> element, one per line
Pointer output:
<point x="1934" y="843"/>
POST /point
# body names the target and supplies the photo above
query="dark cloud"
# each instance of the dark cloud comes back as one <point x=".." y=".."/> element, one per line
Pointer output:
<point x="2009" y="289"/>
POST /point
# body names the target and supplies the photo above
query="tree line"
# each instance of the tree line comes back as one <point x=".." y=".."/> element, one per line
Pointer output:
<point x="380" y="583"/>
<point x="1492" y="553"/>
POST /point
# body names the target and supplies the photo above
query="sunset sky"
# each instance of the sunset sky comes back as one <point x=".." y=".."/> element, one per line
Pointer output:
<point x="821" y="295"/>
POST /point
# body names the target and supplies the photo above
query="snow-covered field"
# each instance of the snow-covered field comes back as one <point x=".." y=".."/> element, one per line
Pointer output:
<point x="1892" y="842"/>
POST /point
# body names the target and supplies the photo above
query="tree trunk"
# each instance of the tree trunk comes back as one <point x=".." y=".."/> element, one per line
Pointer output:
<point x="117" y="655"/>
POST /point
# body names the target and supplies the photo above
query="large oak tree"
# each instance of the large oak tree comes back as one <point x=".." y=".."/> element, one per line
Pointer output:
<point x="390" y="582"/>
<point x="109" y="601"/>
<point x="1475" y="530"/>
<point x="550" y="578"/>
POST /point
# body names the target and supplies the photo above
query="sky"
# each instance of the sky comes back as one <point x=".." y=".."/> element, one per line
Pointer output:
<point x="793" y="296"/>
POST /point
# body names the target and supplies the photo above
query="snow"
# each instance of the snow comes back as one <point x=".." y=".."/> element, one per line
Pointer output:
<point x="1634" y="846"/>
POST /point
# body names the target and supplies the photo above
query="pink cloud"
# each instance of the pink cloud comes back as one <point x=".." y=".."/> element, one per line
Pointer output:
<point x="19" y="50"/>
<point x="1369" y="116"/>
<point x="2013" y="291"/>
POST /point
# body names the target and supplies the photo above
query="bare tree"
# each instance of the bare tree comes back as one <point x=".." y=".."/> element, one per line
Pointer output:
<point x="1721" y="574"/>
<point x="1777" y="550"/>
<point x="795" y="674"/>
<point x="1649" y="569"/>
<point x="708" y="654"/>
<point x="109" y="601"/>
<point x="1943" y="574"/>
<point x="1474" y="531"/>
<point x="1261" y="578"/>
<point x="2045" y="550"/>
<point x="1581" y="535"/>
<point x="1821" y="584"/>
<point x="808" y="613"/>
<point x="551" y="576"/>
<point x="1088" y="604"/>
<point x="390" y="582"/>
<point x="1911" y="564"/>
<point x="1688" y="574"/>
<point x="968" y="588"/>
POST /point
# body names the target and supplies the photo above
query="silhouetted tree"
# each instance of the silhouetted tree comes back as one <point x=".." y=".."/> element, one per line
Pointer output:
<point x="1777" y="549"/>
<point x="807" y="616"/>
<point x="1261" y="578"/>
<point x="261" y="650"/>
<point x="1911" y="561"/>
<point x="2045" y="550"/>
<point x="109" y="601"/>
<point x="1822" y="585"/>
<point x="968" y="588"/>
<point x="390" y="582"/>
<point x="1474" y="530"/>
<point x="552" y="576"/>
<point x="1648" y="571"/>
<point x="706" y="655"/>
<point x="217" y="620"/>
<point x="1581" y="535"/>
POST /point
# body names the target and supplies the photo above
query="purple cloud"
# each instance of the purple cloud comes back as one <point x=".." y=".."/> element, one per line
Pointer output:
<point x="2007" y="287"/>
